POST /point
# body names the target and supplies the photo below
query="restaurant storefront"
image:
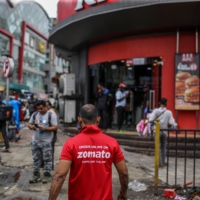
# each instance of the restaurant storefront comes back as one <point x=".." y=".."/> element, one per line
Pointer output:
<point x="135" y="42"/>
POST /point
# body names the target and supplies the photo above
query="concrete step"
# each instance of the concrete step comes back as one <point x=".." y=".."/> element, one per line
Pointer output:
<point x="172" y="153"/>
<point x="151" y="144"/>
<point x="180" y="137"/>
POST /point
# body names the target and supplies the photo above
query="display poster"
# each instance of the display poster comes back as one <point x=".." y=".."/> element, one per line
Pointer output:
<point x="187" y="91"/>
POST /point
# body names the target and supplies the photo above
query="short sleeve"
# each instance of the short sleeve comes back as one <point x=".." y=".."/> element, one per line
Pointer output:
<point x="171" y="119"/>
<point x="31" y="120"/>
<point x="54" y="121"/>
<point x="66" y="153"/>
<point x="118" y="95"/>
<point x="118" y="155"/>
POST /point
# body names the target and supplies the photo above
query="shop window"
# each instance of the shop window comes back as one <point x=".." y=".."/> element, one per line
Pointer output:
<point x="4" y="46"/>
<point x="27" y="38"/>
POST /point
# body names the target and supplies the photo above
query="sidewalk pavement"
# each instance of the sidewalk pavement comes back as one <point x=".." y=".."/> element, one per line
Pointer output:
<point x="20" y="158"/>
<point x="19" y="162"/>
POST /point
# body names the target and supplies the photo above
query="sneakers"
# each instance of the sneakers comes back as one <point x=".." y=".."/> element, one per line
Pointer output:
<point x="46" y="178"/>
<point x="35" y="178"/>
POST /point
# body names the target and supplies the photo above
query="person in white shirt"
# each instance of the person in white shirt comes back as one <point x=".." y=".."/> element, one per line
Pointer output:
<point x="166" y="120"/>
<point x="121" y="96"/>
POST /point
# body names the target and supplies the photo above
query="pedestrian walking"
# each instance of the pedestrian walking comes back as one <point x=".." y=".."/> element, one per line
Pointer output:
<point x="102" y="105"/>
<point x="121" y="96"/>
<point x="3" y="128"/>
<point x="145" y="103"/>
<point x="89" y="156"/>
<point x="44" y="123"/>
<point x="32" y="104"/>
<point x="50" y="109"/>
<point x="166" y="120"/>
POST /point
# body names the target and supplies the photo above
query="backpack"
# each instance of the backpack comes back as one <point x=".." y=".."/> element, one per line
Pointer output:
<point x="49" y="122"/>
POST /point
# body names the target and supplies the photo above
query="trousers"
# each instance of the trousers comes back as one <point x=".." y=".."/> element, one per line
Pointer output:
<point x="4" y="134"/>
<point x="120" y="116"/>
<point x="163" y="143"/>
<point x="104" y="119"/>
<point x="42" y="151"/>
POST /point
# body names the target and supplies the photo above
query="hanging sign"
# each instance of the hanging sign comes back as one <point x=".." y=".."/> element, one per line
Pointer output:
<point x="187" y="79"/>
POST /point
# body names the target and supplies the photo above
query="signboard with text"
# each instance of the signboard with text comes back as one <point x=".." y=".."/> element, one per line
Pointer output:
<point x="187" y="76"/>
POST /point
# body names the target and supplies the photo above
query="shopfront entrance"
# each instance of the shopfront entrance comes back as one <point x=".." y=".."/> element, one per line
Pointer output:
<point x="136" y="73"/>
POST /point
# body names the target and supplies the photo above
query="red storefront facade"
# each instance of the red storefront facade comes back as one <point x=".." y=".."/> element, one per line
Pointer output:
<point x="163" y="39"/>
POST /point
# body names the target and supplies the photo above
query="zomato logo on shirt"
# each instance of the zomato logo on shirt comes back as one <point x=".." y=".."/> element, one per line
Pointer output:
<point x="92" y="151"/>
<point x="93" y="154"/>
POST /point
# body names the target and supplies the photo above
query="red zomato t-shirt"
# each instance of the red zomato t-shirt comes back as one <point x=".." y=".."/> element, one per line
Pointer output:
<point x="92" y="154"/>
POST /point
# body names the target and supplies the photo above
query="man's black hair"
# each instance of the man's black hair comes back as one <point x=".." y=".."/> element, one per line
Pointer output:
<point x="89" y="114"/>
<point x="163" y="101"/>
<point x="101" y="84"/>
<point x="41" y="103"/>
<point x="49" y="103"/>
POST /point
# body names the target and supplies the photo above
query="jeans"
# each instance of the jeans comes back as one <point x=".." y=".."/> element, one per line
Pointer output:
<point x="120" y="116"/>
<point x="163" y="143"/>
<point x="4" y="134"/>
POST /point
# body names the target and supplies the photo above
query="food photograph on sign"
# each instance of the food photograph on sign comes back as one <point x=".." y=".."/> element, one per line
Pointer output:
<point x="187" y="79"/>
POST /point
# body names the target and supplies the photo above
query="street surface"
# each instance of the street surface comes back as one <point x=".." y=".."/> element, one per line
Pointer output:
<point x="18" y="165"/>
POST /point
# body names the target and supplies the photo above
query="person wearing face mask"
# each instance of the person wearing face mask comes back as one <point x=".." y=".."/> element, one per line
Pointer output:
<point x="121" y="96"/>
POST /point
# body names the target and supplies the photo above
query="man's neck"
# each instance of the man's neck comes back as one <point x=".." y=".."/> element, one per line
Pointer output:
<point x="162" y="106"/>
<point x="44" y="113"/>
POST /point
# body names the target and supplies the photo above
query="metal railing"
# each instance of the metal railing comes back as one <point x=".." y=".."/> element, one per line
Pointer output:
<point x="182" y="156"/>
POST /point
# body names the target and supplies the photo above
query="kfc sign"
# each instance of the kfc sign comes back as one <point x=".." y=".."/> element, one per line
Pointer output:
<point x="187" y="57"/>
<point x="80" y="3"/>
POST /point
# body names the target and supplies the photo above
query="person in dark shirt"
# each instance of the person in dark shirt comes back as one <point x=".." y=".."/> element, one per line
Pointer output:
<point x="102" y="105"/>
<point x="32" y="104"/>
<point x="4" y="131"/>
<point x="145" y="107"/>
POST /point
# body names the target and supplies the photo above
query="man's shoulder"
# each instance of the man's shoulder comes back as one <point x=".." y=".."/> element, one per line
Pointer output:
<point x="118" y="92"/>
<point x="168" y="111"/>
<point x="80" y="136"/>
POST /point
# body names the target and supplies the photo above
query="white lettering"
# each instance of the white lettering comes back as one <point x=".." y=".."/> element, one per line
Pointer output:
<point x="79" y="4"/>
<point x="94" y="154"/>
<point x="91" y="154"/>
<point x="183" y="67"/>
<point x="98" y="154"/>
<point x="85" y="154"/>
<point x="79" y="154"/>
<point x="107" y="155"/>
<point x="103" y="152"/>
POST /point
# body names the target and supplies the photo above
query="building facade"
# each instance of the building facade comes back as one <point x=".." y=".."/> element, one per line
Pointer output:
<point x="137" y="42"/>
<point x="24" y="29"/>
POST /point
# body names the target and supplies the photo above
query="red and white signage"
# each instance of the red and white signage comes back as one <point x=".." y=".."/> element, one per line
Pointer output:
<point x="80" y="3"/>
<point x="8" y="67"/>
<point x="67" y="8"/>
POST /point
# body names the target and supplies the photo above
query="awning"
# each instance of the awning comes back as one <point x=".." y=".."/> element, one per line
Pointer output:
<point x="124" y="18"/>
<point x="16" y="86"/>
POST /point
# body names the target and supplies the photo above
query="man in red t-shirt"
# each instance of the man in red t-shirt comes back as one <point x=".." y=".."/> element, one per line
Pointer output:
<point x="89" y="156"/>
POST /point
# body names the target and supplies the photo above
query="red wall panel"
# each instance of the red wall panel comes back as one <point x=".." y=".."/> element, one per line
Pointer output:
<point x="151" y="46"/>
